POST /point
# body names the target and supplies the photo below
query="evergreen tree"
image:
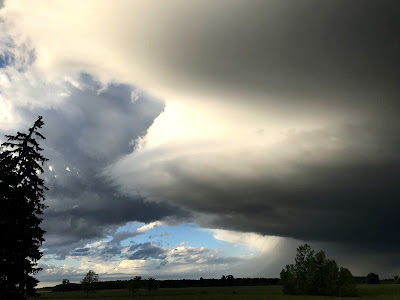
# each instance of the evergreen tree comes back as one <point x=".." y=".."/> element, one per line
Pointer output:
<point x="21" y="204"/>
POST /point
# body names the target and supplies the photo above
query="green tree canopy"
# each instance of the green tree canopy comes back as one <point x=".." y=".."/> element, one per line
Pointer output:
<point x="314" y="274"/>
<point x="21" y="204"/>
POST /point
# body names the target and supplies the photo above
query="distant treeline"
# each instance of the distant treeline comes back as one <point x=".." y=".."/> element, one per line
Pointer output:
<point x="178" y="283"/>
<point x="228" y="281"/>
<point x="364" y="280"/>
<point x="181" y="283"/>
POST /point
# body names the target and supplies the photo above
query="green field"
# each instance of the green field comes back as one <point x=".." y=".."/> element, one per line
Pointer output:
<point x="381" y="292"/>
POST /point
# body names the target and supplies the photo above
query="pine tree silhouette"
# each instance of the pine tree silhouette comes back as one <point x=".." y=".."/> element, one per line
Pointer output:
<point x="21" y="204"/>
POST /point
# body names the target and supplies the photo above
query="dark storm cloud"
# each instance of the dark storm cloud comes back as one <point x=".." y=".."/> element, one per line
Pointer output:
<point x="337" y="183"/>
<point x="348" y="198"/>
<point x="81" y="252"/>
<point x="307" y="55"/>
<point x="334" y="185"/>
<point x="300" y="56"/>
<point x="92" y="129"/>
<point x="352" y="202"/>
<point x="146" y="251"/>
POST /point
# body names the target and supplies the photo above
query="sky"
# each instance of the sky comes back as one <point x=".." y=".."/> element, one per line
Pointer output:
<point x="202" y="138"/>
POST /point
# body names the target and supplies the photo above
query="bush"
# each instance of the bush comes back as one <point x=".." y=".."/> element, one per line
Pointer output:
<point x="314" y="274"/>
<point x="373" y="278"/>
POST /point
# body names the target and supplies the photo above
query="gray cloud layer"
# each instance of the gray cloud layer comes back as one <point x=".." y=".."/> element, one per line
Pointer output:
<point x="345" y="181"/>
<point x="334" y="65"/>
<point x="331" y="183"/>
<point x="90" y="131"/>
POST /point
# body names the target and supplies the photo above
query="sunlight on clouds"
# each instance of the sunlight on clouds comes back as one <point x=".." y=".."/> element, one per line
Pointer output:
<point x="255" y="241"/>
<point x="149" y="226"/>
<point x="215" y="124"/>
<point x="56" y="270"/>
<point x="216" y="130"/>
<point x="100" y="267"/>
<point x="8" y="117"/>
<point x="21" y="85"/>
<point x="129" y="265"/>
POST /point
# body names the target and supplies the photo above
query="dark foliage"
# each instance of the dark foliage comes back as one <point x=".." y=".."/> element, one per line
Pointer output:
<point x="373" y="278"/>
<point x="314" y="274"/>
<point x="396" y="279"/>
<point x="202" y="281"/>
<point x="152" y="284"/>
<point x="230" y="280"/>
<point x="135" y="284"/>
<point x="68" y="288"/>
<point x="363" y="280"/>
<point x="88" y="282"/>
<point x="223" y="280"/>
<point x="211" y="282"/>
<point x="65" y="285"/>
<point x="21" y="204"/>
<point x="172" y="283"/>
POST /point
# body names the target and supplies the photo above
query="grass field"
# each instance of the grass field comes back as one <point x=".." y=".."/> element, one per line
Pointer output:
<point x="381" y="292"/>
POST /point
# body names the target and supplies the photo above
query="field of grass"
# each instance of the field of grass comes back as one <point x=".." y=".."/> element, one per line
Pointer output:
<point x="380" y="292"/>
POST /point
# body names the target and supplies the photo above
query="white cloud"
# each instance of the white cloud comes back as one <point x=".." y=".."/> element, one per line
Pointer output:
<point x="22" y="85"/>
<point x="263" y="244"/>
<point x="123" y="235"/>
<point x="149" y="226"/>
<point x="182" y="261"/>
<point x="135" y="95"/>
<point x="129" y="266"/>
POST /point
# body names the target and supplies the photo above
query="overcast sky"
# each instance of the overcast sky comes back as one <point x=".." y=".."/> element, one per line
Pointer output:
<point x="202" y="138"/>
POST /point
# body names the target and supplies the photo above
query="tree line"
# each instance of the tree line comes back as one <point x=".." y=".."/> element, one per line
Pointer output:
<point x="66" y="285"/>
<point x="341" y="287"/>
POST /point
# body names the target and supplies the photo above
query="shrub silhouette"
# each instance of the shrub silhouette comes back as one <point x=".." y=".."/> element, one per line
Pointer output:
<point x="314" y="274"/>
<point x="373" y="278"/>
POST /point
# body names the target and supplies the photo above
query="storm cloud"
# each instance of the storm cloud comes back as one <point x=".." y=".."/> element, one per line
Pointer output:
<point x="83" y="204"/>
<point x="278" y="118"/>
